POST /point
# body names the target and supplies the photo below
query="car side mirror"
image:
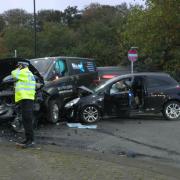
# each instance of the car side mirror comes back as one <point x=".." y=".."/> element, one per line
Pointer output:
<point x="55" y="74"/>
<point x="106" y="92"/>
<point x="39" y="86"/>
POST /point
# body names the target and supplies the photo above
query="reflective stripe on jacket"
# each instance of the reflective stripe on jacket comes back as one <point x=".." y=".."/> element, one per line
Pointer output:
<point x="25" y="85"/>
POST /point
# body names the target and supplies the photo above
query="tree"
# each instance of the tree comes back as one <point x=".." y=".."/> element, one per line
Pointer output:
<point x="45" y="16"/>
<point x="97" y="34"/>
<point x="155" y="31"/>
<point x="70" y="16"/>
<point x="17" y="17"/>
<point x="19" y="38"/>
<point x="3" y="49"/>
<point x="55" y="40"/>
<point x="2" y="23"/>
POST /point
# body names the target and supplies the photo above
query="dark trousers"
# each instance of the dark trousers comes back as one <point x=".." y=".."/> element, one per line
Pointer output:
<point x="27" y="107"/>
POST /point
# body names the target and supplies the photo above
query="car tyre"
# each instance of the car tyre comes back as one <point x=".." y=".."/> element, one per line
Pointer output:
<point x="171" y="110"/>
<point x="90" y="114"/>
<point x="124" y="114"/>
<point x="53" y="111"/>
<point x="17" y="125"/>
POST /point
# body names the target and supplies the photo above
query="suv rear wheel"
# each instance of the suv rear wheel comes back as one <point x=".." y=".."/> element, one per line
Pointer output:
<point x="54" y="111"/>
<point x="171" y="110"/>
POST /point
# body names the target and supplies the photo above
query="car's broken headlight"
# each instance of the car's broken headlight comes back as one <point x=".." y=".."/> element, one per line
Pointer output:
<point x="71" y="103"/>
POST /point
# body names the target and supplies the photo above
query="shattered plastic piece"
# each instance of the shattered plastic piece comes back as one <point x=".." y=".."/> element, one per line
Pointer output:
<point x="131" y="154"/>
<point x="122" y="153"/>
<point x="80" y="126"/>
<point x="75" y="131"/>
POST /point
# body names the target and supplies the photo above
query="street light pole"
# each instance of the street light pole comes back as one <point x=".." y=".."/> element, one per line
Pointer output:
<point x="35" y="29"/>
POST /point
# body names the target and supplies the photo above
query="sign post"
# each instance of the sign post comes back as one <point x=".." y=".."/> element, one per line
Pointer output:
<point x="132" y="56"/>
<point x="15" y="53"/>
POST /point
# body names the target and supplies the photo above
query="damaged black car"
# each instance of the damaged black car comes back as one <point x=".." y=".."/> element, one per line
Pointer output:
<point x="139" y="92"/>
<point x="9" y="111"/>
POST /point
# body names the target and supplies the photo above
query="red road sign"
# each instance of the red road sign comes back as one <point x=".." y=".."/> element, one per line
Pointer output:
<point x="132" y="55"/>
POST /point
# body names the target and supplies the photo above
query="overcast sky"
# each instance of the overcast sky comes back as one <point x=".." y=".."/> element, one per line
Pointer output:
<point x="57" y="4"/>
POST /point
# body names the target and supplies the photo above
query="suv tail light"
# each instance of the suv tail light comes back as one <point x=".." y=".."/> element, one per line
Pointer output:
<point x="108" y="76"/>
<point x="96" y="81"/>
<point x="178" y="86"/>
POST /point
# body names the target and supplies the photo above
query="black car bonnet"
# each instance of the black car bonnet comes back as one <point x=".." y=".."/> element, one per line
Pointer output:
<point x="83" y="91"/>
<point x="9" y="64"/>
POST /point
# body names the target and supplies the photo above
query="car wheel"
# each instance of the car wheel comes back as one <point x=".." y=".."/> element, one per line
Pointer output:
<point x="90" y="114"/>
<point x="124" y="114"/>
<point x="17" y="125"/>
<point x="171" y="110"/>
<point x="53" y="111"/>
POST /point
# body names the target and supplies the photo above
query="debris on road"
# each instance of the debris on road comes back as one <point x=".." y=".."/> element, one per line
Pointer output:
<point x="131" y="154"/>
<point x="80" y="126"/>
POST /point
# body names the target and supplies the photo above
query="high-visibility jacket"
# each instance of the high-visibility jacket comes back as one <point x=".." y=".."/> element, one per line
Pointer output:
<point x="25" y="85"/>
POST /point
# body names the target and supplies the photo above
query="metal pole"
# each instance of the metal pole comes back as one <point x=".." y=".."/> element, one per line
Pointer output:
<point x="35" y="29"/>
<point x="132" y="64"/>
<point x="15" y="53"/>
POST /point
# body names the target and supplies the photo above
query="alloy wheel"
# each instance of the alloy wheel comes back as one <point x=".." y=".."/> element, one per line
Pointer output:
<point x="173" y="110"/>
<point x="90" y="114"/>
<point x="55" y="112"/>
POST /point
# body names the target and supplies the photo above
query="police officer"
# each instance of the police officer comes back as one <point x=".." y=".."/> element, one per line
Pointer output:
<point x="24" y="95"/>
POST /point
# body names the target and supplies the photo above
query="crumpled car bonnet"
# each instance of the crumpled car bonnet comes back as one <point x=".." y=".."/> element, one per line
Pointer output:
<point x="9" y="64"/>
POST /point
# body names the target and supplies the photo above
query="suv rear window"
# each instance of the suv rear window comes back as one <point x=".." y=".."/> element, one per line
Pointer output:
<point x="112" y="70"/>
<point x="79" y="66"/>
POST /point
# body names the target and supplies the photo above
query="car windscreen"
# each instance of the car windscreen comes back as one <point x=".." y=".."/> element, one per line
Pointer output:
<point x="102" y="87"/>
<point x="42" y="65"/>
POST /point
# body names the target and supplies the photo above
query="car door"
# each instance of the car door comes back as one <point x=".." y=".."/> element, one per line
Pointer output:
<point x="83" y="71"/>
<point x="138" y="92"/>
<point x="154" y="92"/>
<point x="60" y="83"/>
<point x="117" y="97"/>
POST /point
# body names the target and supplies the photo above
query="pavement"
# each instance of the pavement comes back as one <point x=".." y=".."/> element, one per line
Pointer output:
<point x="50" y="162"/>
<point x="129" y="149"/>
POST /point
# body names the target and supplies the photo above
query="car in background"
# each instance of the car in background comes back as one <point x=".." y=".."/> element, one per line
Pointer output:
<point x="107" y="72"/>
<point x="144" y="92"/>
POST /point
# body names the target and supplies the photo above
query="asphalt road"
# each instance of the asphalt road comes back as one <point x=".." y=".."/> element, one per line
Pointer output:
<point x="142" y="137"/>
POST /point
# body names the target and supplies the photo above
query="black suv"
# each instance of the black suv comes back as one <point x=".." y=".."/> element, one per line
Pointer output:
<point x="61" y="77"/>
<point x="108" y="72"/>
<point x="138" y="92"/>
